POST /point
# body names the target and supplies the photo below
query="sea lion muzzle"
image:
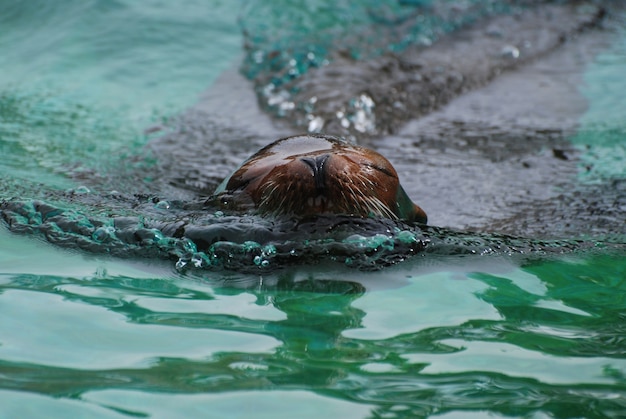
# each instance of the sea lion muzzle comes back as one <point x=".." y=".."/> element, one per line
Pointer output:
<point x="309" y="175"/>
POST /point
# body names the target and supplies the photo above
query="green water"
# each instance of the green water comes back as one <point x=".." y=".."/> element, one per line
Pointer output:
<point x="85" y="335"/>
<point x="603" y="132"/>
<point x="82" y="80"/>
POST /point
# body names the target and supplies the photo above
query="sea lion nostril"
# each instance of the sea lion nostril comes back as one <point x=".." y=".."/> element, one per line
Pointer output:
<point x="318" y="167"/>
<point x="316" y="163"/>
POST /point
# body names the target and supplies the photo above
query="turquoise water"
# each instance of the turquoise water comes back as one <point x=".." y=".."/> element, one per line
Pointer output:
<point x="602" y="128"/>
<point x="79" y="90"/>
<point x="87" y="335"/>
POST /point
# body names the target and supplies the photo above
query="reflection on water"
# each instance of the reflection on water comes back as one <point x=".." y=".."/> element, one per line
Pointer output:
<point x="477" y="325"/>
<point x="416" y="345"/>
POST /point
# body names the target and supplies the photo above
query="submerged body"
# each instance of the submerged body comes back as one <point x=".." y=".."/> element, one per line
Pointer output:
<point x="309" y="175"/>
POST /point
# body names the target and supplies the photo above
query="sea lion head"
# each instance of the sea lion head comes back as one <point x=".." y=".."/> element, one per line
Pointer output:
<point x="309" y="175"/>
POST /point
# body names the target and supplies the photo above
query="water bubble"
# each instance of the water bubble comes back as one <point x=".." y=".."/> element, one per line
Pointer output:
<point x="424" y="41"/>
<point x="361" y="114"/>
<point x="81" y="190"/>
<point x="158" y="235"/>
<point x="284" y="107"/>
<point x="366" y="101"/>
<point x="361" y="122"/>
<point x="270" y="249"/>
<point x="218" y="214"/>
<point x="248" y="366"/>
<point x="275" y="99"/>
<point x="162" y="205"/>
<point x="185" y="247"/>
<point x="261" y="261"/>
<point x="406" y="237"/>
<point x="382" y="241"/>
<point x="103" y="234"/>
<point x="316" y="124"/>
<point x="200" y="260"/>
<point x="248" y="246"/>
<point x="309" y="107"/>
<point x="509" y="51"/>
<point x="268" y="90"/>
<point x="356" y="239"/>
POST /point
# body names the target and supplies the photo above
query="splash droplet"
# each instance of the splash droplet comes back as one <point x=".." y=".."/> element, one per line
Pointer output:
<point x="103" y="234"/>
<point x="509" y="51"/>
<point x="162" y="205"/>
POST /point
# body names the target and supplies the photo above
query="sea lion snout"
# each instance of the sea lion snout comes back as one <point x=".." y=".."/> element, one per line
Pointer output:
<point x="308" y="175"/>
<point x="318" y="167"/>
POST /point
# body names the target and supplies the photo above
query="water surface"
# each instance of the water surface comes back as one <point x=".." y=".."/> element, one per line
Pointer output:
<point x="533" y="333"/>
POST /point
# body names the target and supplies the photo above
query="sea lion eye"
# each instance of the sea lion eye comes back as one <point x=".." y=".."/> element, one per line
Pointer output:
<point x="382" y="170"/>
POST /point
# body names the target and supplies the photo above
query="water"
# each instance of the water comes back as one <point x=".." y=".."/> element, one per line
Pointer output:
<point x="90" y="79"/>
<point x="534" y="330"/>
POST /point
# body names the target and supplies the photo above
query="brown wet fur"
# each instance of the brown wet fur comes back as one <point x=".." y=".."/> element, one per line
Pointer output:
<point x="313" y="174"/>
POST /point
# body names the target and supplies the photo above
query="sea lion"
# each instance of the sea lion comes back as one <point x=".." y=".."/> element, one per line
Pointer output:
<point x="309" y="175"/>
